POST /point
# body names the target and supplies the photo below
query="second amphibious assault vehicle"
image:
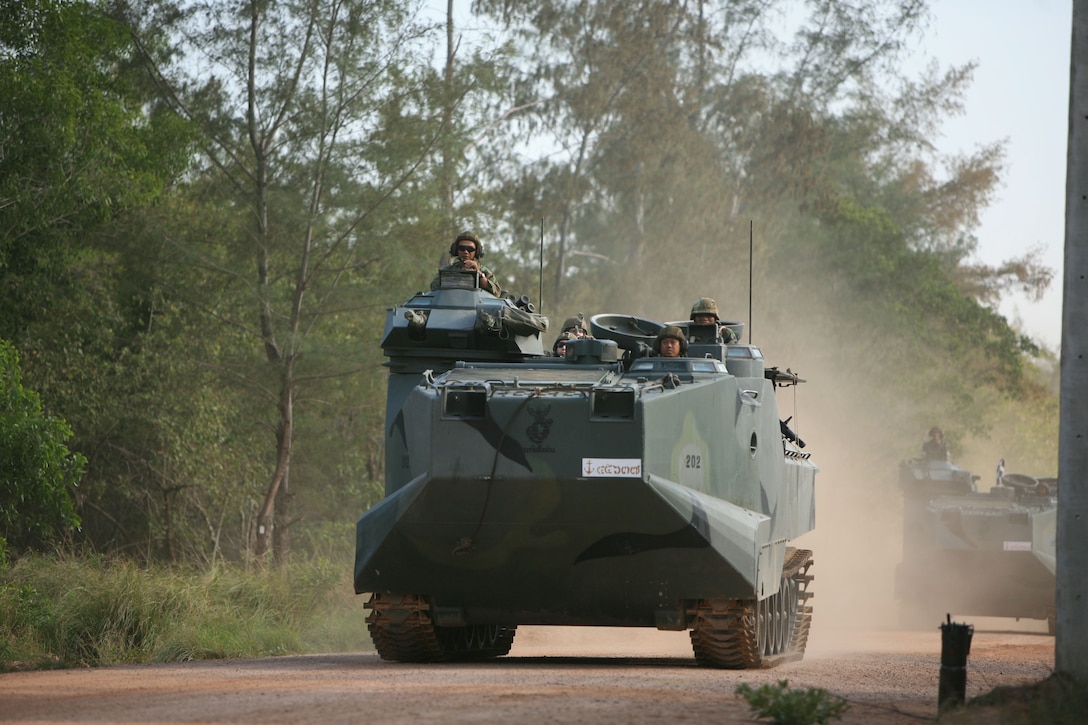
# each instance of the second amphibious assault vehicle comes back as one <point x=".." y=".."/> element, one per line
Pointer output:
<point x="604" y="488"/>
<point x="970" y="552"/>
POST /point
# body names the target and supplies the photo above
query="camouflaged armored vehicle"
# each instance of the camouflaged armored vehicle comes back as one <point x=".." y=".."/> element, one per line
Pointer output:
<point x="969" y="552"/>
<point x="601" y="488"/>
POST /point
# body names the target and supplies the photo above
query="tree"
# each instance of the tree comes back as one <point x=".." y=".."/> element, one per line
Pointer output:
<point x="321" y="117"/>
<point x="677" y="125"/>
<point x="79" y="146"/>
<point x="206" y="323"/>
<point x="662" y="115"/>
<point x="36" y="468"/>
<point x="88" y="152"/>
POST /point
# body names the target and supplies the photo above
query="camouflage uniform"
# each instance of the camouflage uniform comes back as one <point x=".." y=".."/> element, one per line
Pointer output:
<point x="487" y="280"/>
<point x="707" y="306"/>
<point x="935" y="449"/>
<point x="725" y="335"/>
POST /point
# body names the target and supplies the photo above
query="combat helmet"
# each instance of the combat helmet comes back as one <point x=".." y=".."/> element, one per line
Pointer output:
<point x="674" y="332"/>
<point x="704" y="306"/>
<point x="468" y="236"/>
<point x="576" y="325"/>
<point x="563" y="337"/>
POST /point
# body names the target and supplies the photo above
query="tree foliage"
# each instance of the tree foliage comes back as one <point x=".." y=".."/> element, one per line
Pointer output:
<point x="37" y="471"/>
<point x="318" y="116"/>
<point x="79" y="145"/>
<point x="681" y="128"/>
<point x="208" y="208"/>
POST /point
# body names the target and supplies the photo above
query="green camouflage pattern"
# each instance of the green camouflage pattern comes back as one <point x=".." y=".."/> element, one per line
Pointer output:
<point x="601" y="488"/>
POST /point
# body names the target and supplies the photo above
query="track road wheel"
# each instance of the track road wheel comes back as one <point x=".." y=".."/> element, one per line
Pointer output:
<point x="403" y="630"/>
<point x="746" y="634"/>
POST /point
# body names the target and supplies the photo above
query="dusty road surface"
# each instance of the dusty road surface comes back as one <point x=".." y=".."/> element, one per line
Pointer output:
<point x="553" y="675"/>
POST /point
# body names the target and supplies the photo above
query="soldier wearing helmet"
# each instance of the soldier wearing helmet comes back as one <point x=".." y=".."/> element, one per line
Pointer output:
<point x="671" y="342"/>
<point x="705" y="312"/>
<point x="574" y="328"/>
<point x="467" y="250"/>
<point x="935" y="448"/>
<point x="559" y="349"/>
<point x="577" y="326"/>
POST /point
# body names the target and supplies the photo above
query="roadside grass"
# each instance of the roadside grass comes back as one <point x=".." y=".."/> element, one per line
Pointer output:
<point x="64" y="611"/>
<point x="67" y="611"/>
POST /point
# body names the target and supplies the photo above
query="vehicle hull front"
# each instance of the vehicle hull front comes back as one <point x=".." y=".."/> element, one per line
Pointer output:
<point x="620" y="552"/>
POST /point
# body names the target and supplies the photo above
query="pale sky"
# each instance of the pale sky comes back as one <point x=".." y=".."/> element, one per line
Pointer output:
<point x="1020" y="94"/>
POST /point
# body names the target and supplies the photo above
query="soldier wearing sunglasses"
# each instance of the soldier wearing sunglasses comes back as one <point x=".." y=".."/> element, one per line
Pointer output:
<point x="467" y="251"/>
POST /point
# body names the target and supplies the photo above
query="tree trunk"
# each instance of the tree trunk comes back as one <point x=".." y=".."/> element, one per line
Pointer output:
<point x="274" y="511"/>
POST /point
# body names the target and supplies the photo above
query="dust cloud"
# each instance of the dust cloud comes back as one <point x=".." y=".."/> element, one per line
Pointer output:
<point x="857" y="542"/>
<point x="853" y="427"/>
<point x="855" y="431"/>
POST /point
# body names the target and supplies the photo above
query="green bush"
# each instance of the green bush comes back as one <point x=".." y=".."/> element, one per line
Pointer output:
<point x="36" y="467"/>
<point x="793" y="707"/>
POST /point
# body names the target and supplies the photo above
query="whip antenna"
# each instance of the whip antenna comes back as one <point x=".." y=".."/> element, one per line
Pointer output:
<point x="750" y="224"/>
<point x="540" y="276"/>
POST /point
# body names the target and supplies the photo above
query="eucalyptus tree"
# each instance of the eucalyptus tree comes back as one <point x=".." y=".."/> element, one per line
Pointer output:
<point x="657" y="113"/>
<point x="673" y="124"/>
<point x="671" y="127"/>
<point x="317" y="119"/>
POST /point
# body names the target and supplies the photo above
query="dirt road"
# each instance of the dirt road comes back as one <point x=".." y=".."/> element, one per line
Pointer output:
<point x="553" y="675"/>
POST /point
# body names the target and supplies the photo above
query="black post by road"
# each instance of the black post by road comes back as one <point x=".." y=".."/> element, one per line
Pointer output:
<point x="955" y="646"/>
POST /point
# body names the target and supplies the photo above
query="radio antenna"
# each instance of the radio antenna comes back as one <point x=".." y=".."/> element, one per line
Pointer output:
<point x="540" y="276"/>
<point x="750" y="225"/>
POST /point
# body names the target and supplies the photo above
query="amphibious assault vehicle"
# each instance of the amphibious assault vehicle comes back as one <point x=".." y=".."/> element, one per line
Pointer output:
<point x="605" y="488"/>
<point x="969" y="552"/>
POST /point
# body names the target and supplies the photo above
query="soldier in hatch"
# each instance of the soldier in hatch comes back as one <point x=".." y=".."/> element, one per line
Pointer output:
<point x="705" y="312"/>
<point x="559" y="349"/>
<point x="670" y="342"/>
<point x="577" y="327"/>
<point x="467" y="251"/>
<point x="574" y="328"/>
<point x="935" y="448"/>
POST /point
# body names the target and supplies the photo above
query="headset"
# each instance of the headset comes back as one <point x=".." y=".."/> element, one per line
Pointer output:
<point x="467" y="237"/>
